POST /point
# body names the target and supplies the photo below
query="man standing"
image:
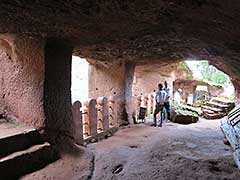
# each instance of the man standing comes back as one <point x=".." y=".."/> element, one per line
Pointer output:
<point x="160" y="99"/>
<point x="166" y="103"/>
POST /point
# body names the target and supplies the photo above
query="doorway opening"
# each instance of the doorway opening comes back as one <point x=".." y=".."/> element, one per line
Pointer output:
<point x="202" y="71"/>
<point x="79" y="87"/>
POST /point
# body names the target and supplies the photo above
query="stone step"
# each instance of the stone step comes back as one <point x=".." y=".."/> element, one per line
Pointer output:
<point x="217" y="105"/>
<point x="11" y="143"/>
<point x="212" y="108"/>
<point x="221" y="101"/>
<point x="213" y="116"/>
<point x="20" y="163"/>
<point x="208" y="111"/>
<point x="184" y="119"/>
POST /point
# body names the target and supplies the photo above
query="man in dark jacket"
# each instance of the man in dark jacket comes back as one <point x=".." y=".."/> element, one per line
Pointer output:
<point x="167" y="103"/>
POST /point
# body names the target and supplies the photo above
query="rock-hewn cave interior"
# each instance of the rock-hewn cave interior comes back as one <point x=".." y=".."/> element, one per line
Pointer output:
<point x="125" y="43"/>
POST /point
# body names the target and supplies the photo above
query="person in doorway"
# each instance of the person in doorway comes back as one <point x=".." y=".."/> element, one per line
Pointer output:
<point x="160" y="99"/>
<point x="178" y="96"/>
<point x="166" y="102"/>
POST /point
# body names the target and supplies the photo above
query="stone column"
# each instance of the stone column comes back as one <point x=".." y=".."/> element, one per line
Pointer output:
<point x="86" y="130"/>
<point x="129" y="102"/>
<point x="151" y="103"/>
<point x="145" y="99"/>
<point x="99" y="118"/>
<point x="78" y="124"/>
<point x="138" y="102"/>
<point x="112" y="111"/>
<point x="92" y="114"/>
<point x="103" y="102"/>
<point x="57" y="92"/>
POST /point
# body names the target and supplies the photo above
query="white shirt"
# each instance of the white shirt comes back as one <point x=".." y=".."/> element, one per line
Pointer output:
<point x="161" y="97"/>
<point x="177" y="97"/>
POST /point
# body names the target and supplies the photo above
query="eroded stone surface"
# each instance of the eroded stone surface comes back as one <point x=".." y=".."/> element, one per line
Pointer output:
<point x="57" y="93"/>
<point x="21" y="78"/>
<point x="133" y="30"/>
<point x="107" y="79"/>
<point x="147" y="77"/>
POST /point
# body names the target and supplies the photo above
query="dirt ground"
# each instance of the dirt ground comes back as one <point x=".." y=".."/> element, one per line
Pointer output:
<point x="142" y="152"/>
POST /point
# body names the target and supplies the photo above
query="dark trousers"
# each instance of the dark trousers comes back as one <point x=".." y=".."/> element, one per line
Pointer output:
<point x="167" y="107"/>
<point x="158" y="108"/>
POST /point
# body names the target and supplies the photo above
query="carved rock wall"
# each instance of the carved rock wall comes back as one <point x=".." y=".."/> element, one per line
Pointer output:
<point x="147" y="77"/>
<point x="21" y="78"/>
<point x="108" y="79"/>
<point x="189" y="87"/>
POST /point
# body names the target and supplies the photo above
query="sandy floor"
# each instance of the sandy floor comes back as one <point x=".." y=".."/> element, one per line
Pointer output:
<point x="141" y="152"/>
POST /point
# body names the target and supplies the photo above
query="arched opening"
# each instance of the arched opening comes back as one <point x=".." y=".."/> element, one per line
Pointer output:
<point x="204" y="89"/>
<point x="203" y="71"/>
<point x="80" y="79"/>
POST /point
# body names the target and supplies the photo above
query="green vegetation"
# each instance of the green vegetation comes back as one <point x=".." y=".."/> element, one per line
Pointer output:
<point x="212" y="74"/>
<point x="186" y="110"/>
<point x="209" y="73"/>
<point x="184" y="66"/>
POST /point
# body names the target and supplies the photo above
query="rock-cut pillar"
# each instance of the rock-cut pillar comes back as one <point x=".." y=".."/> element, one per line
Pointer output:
<point x="57" y="92"/>
<point x="129" y="100"/>
<point x="92" y="113"/>
<point x="103" y="102"/>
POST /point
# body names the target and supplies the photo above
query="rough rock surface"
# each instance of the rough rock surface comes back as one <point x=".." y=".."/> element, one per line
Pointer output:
<point x="146" y="77"/>
<point x="21" y="79"/>
<point x="107" y="79"/>
<point x="125" y="29"/>
<point x="189" y="87"/>
<point x="128" y="29"/>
